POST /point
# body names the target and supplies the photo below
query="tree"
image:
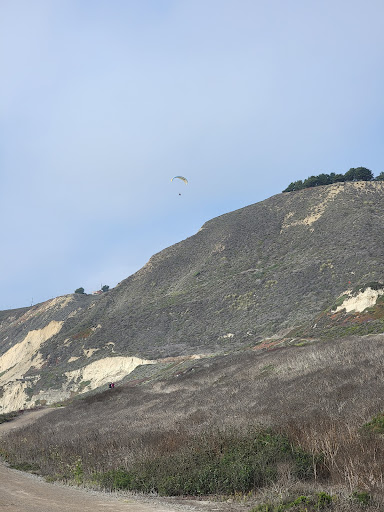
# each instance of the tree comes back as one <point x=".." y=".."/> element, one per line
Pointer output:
<point x="350" y="175"/>
<point x="80" y="290"/>
<point x="295" y="185"/>
<point x="363" y="174"/>
<point x="358" y="174"/>
<point x="105" y="288"/>
<point x="323" y="179"/>
<point x="336" y="178"/>
<point x="354" y="174"/>
<point x="312" y="181"/>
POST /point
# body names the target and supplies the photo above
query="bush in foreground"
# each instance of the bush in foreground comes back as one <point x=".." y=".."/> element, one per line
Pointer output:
<point x="179" y="463"/>
<point x="213" y="463"/>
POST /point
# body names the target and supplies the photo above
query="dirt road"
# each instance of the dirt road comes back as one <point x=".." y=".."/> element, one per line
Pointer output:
<point x="22" y="492"/>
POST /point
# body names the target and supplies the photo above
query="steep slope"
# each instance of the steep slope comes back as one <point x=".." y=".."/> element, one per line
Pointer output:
<point x="253" y="273"/>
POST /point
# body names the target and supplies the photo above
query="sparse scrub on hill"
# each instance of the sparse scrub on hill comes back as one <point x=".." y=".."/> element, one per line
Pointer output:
<point x="362" y="329"/>
<point x="317" y="397"/>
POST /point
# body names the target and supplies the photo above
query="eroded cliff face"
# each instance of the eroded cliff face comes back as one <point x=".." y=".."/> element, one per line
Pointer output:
<point x="27" y="375"/>
<point x="245" y="276"/>
<point x="22" y="363"/>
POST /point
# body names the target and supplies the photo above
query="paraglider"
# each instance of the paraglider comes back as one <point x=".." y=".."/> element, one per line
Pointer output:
<point x="180" y="178"/>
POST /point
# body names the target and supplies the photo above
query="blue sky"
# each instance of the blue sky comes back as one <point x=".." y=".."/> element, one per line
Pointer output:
<point x="103" y="102"/>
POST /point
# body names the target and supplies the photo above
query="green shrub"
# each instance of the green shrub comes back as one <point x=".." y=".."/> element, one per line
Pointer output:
<point x="376" y="424"/>
<point x="339" y="302"/>
<point x="323" y="500"/>
<point x="25" y="466"/>
<point x="78" y="471"/>
<point x="318" y="502"/>
<point x="214" y="463"/>
<point x="362" y="497"/>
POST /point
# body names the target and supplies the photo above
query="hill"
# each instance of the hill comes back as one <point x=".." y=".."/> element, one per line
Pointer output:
<point x="255" y="277"/>
<point x="248" y="362"/>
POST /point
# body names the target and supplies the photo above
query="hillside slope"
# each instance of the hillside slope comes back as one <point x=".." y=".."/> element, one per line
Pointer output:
<point x="258" y="272"/>
<point x="321" y="395"/>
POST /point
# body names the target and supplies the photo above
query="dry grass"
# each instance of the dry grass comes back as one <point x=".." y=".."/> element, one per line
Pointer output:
<point x="319" y="396"/>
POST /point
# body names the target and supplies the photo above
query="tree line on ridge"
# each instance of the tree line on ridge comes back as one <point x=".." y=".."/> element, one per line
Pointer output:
<point x="354" y="174"/>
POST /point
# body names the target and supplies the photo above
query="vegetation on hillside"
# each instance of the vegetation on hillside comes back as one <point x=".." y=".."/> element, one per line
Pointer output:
<point x="335" y="322"/>
<point x="319" y="448"/>
<point x="293" y="429"/>
<point x="249" y="463"/>
<point x="354" y="174"/>
<point x="7" y="417"/>
<point x="233" y="283"/>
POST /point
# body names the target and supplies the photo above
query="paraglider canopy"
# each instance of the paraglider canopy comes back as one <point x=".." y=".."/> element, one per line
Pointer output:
<point x="180" y="178"/>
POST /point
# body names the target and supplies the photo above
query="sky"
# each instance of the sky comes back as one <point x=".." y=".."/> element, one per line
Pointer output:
<point x="102" y="102"/>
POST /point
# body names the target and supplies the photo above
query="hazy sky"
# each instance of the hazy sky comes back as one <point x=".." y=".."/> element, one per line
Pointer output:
<point x="102" y="102"/>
